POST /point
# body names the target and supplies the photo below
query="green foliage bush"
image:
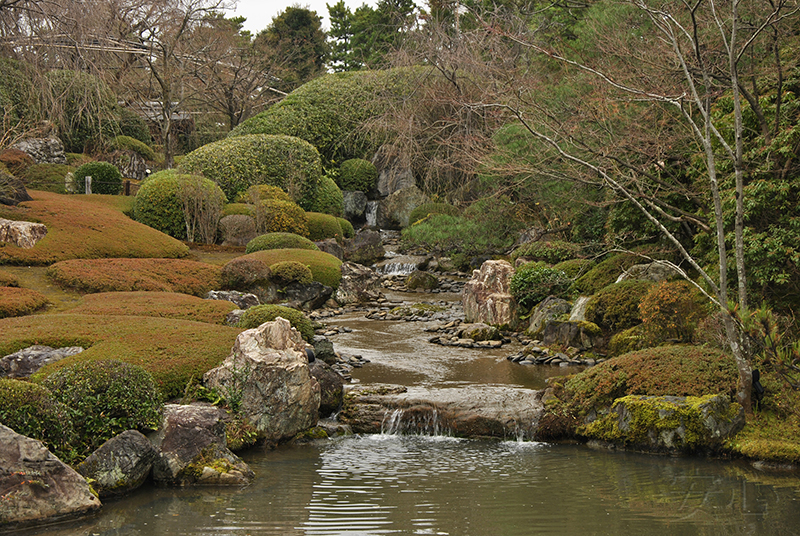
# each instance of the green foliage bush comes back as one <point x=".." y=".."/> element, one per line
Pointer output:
<point x="262" y="192"/>
<point x="616" y="307"/>
<point x="157" y="204"/>
<point x="241" y="209"/>
<point x="322" y="226"/>
<point x="449" y="235"/>
<point x="239" y="162"/>
<point x="46" y="177"/>
<point x="425" y="209"/>
<point x="18" y="98"/>
<point x="329" y="199"/>
<point x="279" y="241"/>
<point x="357" y="174"/>
<point x="325" y="268"/>
<point x="604" y="273"/>
<point x="574" y="268"/>
<point x="274" y="216"/>
<point x="242" y="274"/>
<point x="106" y="178"/>
<point x="535" y="281"/>
<point x="105" y="398"/>
<point x="549" y="251"/>
<point x="31" y="410"/>
<point x="128" y="143"/>
<point x="347" y="228"/>
<point x="255" y="316"/>
<point x="671" y="310"/>
<point x="287" y="272"/>
<point x="20" y="301"/>
<point x="629" y="340"/>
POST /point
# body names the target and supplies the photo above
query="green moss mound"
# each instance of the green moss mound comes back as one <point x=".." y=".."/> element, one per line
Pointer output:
<point x="287" y="272"/>
<point x="322" y="226"/>
<point x="275" y="216"/>
<point x="262" y="192"/>
<point x="46" y="177"/>
<point x="604" y="273"/>
<point x="156" y="304"/>
<point x="329" y="199"/>
<point x="574" y="268"/>
<point x="280" y="241"/>
<point x="105" y="398"/>
<point x="121" y="275"/>
<point x="31" y="410"/>
<point x="84" y="227"/>
<point x="128" y="143"/>
<point x="240" y="162"/>
<point x="424" y="210"/>
<point x="616" y="307"/>
<point x="357" y="174"/>
<point x="325" y="268"/>
<point x="106" y="178"/>
<point x="549" y="251"/>
<point x="232" y="209"/>
<point x="347" y="228"/>
<point x="255" y="316"/>
<point x="20" y="301"/>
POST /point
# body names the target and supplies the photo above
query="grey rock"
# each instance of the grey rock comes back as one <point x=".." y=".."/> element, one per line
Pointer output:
<point x="323" y="350"/>
<point x="242" y="300"/>
<point x="43" y="150"/>
<point x="27" y="361"/>
<point x="478" y="332"/>
<point x="307" y="297"/>
<point x="395" y="210"/>
<point x="359" y="284"/>
<point x="354" y="205"/>
<point x="15" y="192"/>
<point x="22" y="234"/>
<point x="330" y="245"/>
<point x="486" y="297"/>
<point x="366" y="247"/>
<point x="120" y="465"/>
<point x="654" y="271"/>
<point x="575" y="334"/>
<point x="420" y="279"/>
<point x="546" y="311"/>
<point x="331" y="387"/>
<point x="394" y="170"/>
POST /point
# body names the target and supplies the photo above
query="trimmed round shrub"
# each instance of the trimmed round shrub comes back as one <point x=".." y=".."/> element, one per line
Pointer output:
<point x="105" y="398"/>
<point x="549" y="251"/>
<point x="347" y="228"/>
<point x="106" y="178"/>
<point x="535" y="281"/>
<point x="262" y="192"/>
<point x="322" y="226"/>
<point x="20" y="301"/>
<point x="255" y="316"/>
<point x="575" y="268"/>
<point x="127" y="143"/>
<point x="280" y="241"/>
<point x="604" y="273"/>
<point x="425" y="209"/>
<point x="46" y="177"/>
<point x="287" y="272"/>
<point x="671" y="310"/>
<point x="237" y="209"/>
<point x="274" y="216"/>
<point x="325" y="268"/>
<point x="31" y="410"/>
<point x="357" y="174"/>
<point x="240" y="162"/>
<point x="329" y="199"/>
<point x="242" y="274"/>
<point x="7" y="279"/>
<point x="616" y="307"/>
<point x="16" y="161"/>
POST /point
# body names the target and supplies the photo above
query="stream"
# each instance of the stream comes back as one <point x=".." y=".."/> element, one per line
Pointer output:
<point x="440" y="485"/>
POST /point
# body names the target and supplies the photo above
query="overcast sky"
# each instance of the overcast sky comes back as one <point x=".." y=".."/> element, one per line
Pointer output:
<point x="259" y="13"/>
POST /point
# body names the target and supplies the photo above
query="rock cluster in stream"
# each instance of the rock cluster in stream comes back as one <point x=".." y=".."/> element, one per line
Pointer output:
<point x="447" y="283"/>
<point x="533" y="354"/>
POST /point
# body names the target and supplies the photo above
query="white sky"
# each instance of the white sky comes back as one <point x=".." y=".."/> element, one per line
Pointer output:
<point x="259" y="13"/>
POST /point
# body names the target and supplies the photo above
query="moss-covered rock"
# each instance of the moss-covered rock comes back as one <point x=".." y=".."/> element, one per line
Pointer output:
<point x="280" y="241"/>
<point x="255" y="316"/>
<point x="616" y="306"/>
<point x="329" y="199"/>
<point x="422" y="280"/>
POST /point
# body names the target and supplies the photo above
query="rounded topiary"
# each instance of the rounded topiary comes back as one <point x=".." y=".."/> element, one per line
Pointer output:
<point x="243" y="274"/>
<point x="535" y="281"/>
<point x="326" y="268"/>
<point x="255" y="316"/>
<point x="237" y="163"/>
<point x="233" y="209"/>
<point x="106" y="398"/>
<point x="274" y="216"/>
<point x="127" y="143"/>
<point x="357" y="174"/>
<point x="106" y="178"/>
<point x="347" y="228"/>
<point x="322" y="226"/>
<point x="616" y="307"/>
<point x="287" y="272"/>
<point x="262" y="192"/>
<point x="425" y="209"/>
<point x="20" y="301"/>
<point x="329" y="199"/>
<point x="280" y="241"/>
<point x="671" y="310"/>
<point x="549" y="251"/>
<point x="31" y="410"/>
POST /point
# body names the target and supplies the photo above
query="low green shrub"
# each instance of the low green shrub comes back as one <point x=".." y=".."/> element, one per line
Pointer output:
<point x="616" y="307"/>
<point x="237" y="209"/>
<point x="357" y="174"/>
<point x="46" y="177"/>
<point x="279" y="241"/>
<point x="671" y="310"/>
<point x="549" y="251"/>
<point x="105" y="398"/>
<point x="325" y="268"/>
<point x="262" y="192"/>
<point x="574" y="268"/>
<point x="287" y="272"/>
<point x="255" y="316"/>
<point x="31" y="410"/>
<point x="20" y="301"/>
<point x="274" y="216"/>
<point x="322" y="226"/>
<point x="134" y="125"/>
<point x="242" y="274"/>
<point x="329" y="199"/>
<point x="106" y="178"/>
<point x="604" y="273"/>
<point x="451" y="235"/>
<point x="347" y="228"/>
<point x="128" y="143"/>
<point x="535" y="281"/>
<point x="629" y="340"/>
<point x="426" y="209"/>
<point x="239" y="162"/>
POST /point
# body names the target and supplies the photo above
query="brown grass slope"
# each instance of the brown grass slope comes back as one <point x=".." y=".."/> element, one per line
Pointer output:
<point x="155" y="304"/>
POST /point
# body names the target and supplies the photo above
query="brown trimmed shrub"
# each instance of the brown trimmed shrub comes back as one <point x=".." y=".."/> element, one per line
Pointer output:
<point x="243" y="273"/>
<point x="16" y="161"/>
<point x="156" y="304"/>
<point x="671" y="310"/>
<point x="287" y="272"/>
<point x="20" y="301"/>
<point x="7" y="279"/>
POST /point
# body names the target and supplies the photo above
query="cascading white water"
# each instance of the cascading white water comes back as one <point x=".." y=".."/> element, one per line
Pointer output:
<point x="398" y="422"/>
<point x="578" y="313"/>
<point x="372" y="213"/>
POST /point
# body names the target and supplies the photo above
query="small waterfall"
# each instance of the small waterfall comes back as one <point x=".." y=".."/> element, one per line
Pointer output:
<point x="397" y="268"/>
<point x="372" y="213"/>
<point x="391" y="426"/>
<point x="415" y="421"/>
<point x="578" y="313"/>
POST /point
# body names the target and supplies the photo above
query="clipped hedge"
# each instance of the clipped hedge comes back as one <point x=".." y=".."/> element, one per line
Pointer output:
<point x="329" y="199"/>
<point x="242" y="274"/>
<point x="120" y="275"/>
<point x="106" y="178"/>
<point x="280" y="241"/>
<point x="240" y="162"/>
<point x="237" y="209"/>
<point x="357" y="174"/>
<point x="325" y="268"/>
<point x="322" y="226"/>
<point x="274" y="216"/>
<point x="616" y="307"/>
<point x="425" y="209"/>
<point x="347" y="228"/>
<point x="16" y="161"/>
<point x="128" y="143"/>
<point x="7" y="279"/>
<point x="20" y="301"/>
<point x="549" y="251"/>
<point x="255" y="316"/>
<point x="156" y="304"/>
<point x="262" y="192"/>
<point x="287" y="272"/>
